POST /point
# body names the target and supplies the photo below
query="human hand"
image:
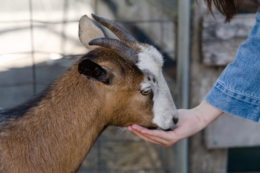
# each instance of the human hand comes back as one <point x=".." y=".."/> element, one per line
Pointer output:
<point x="190" y="122"/>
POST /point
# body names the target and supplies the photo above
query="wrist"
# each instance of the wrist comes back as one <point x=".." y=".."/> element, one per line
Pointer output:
<point x="207" y="113"/>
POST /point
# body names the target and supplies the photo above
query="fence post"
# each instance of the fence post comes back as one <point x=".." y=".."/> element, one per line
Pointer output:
<point x="183" y="65"/>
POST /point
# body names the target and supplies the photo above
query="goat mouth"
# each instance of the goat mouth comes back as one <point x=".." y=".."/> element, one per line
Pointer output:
<point x="167" y="130"/>
<point x="158" y="128"/>
<point x="152" y="128"/>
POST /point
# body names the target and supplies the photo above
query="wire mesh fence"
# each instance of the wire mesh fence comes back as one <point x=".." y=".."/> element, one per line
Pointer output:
<point x="39" y="42"/>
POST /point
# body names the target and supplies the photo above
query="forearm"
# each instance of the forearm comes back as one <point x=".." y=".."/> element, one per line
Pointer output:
<point x="206" y="113"/>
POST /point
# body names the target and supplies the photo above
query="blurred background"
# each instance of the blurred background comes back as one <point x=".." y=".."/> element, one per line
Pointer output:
<point x="39" y="41"/>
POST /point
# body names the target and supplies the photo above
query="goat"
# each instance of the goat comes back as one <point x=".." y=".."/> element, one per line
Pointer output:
<point x="117" y="83"/>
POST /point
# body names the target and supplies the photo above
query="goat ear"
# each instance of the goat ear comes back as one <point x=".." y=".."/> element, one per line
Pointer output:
<point x="94" y="71"/>
<point x="88" y="31"/>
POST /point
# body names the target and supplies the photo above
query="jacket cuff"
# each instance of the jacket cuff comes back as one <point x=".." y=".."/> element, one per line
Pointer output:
<point x="233" y="103"/>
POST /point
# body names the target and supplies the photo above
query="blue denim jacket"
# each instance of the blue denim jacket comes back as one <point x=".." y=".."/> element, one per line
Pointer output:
<point x="237" y="90"/>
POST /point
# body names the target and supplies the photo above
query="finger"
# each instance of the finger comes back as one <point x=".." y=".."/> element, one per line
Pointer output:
<point x="129" y="128"/>
<point x="143" y="130"/>
<point x="146" y="131"/>
<point x="142" y="136"/>
<point x="138" y="128"/>
<point x="155" y="133"/>
<point x="152" y="139"/>
<point x="145" y="138"/>
<point x="166" y="136"/>
<point x="160" y="140"/>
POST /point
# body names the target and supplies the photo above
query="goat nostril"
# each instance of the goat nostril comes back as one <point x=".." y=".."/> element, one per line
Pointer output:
<point x="175" y="120"/>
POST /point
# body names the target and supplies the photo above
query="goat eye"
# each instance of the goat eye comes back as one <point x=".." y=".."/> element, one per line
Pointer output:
<point x="146" y="92"/>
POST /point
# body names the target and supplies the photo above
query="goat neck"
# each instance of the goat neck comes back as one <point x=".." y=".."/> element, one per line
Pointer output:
<point x="56" y="133"/>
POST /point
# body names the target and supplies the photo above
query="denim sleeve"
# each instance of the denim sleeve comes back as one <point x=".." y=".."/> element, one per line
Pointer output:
<point x="237" y="91"/>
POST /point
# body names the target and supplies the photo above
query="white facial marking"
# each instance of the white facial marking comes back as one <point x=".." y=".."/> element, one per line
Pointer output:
<point x="150" y="63"/>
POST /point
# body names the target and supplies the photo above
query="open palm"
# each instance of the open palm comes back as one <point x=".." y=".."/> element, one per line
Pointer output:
<point x="190" y="122"/>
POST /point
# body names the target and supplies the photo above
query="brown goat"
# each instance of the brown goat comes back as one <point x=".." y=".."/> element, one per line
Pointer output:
<point x="117" y="83"/>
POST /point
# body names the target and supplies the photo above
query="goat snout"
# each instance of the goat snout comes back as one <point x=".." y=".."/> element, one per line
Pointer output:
<point x="175" y="120"/>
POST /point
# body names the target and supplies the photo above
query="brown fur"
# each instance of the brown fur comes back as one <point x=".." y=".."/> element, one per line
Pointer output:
<point x="55" y="135"/>
<point x="229" y="8"/>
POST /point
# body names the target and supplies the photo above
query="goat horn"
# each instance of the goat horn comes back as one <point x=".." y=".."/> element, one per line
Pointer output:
<point x="115" y="28"/>
<point x="119" y="47"/>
